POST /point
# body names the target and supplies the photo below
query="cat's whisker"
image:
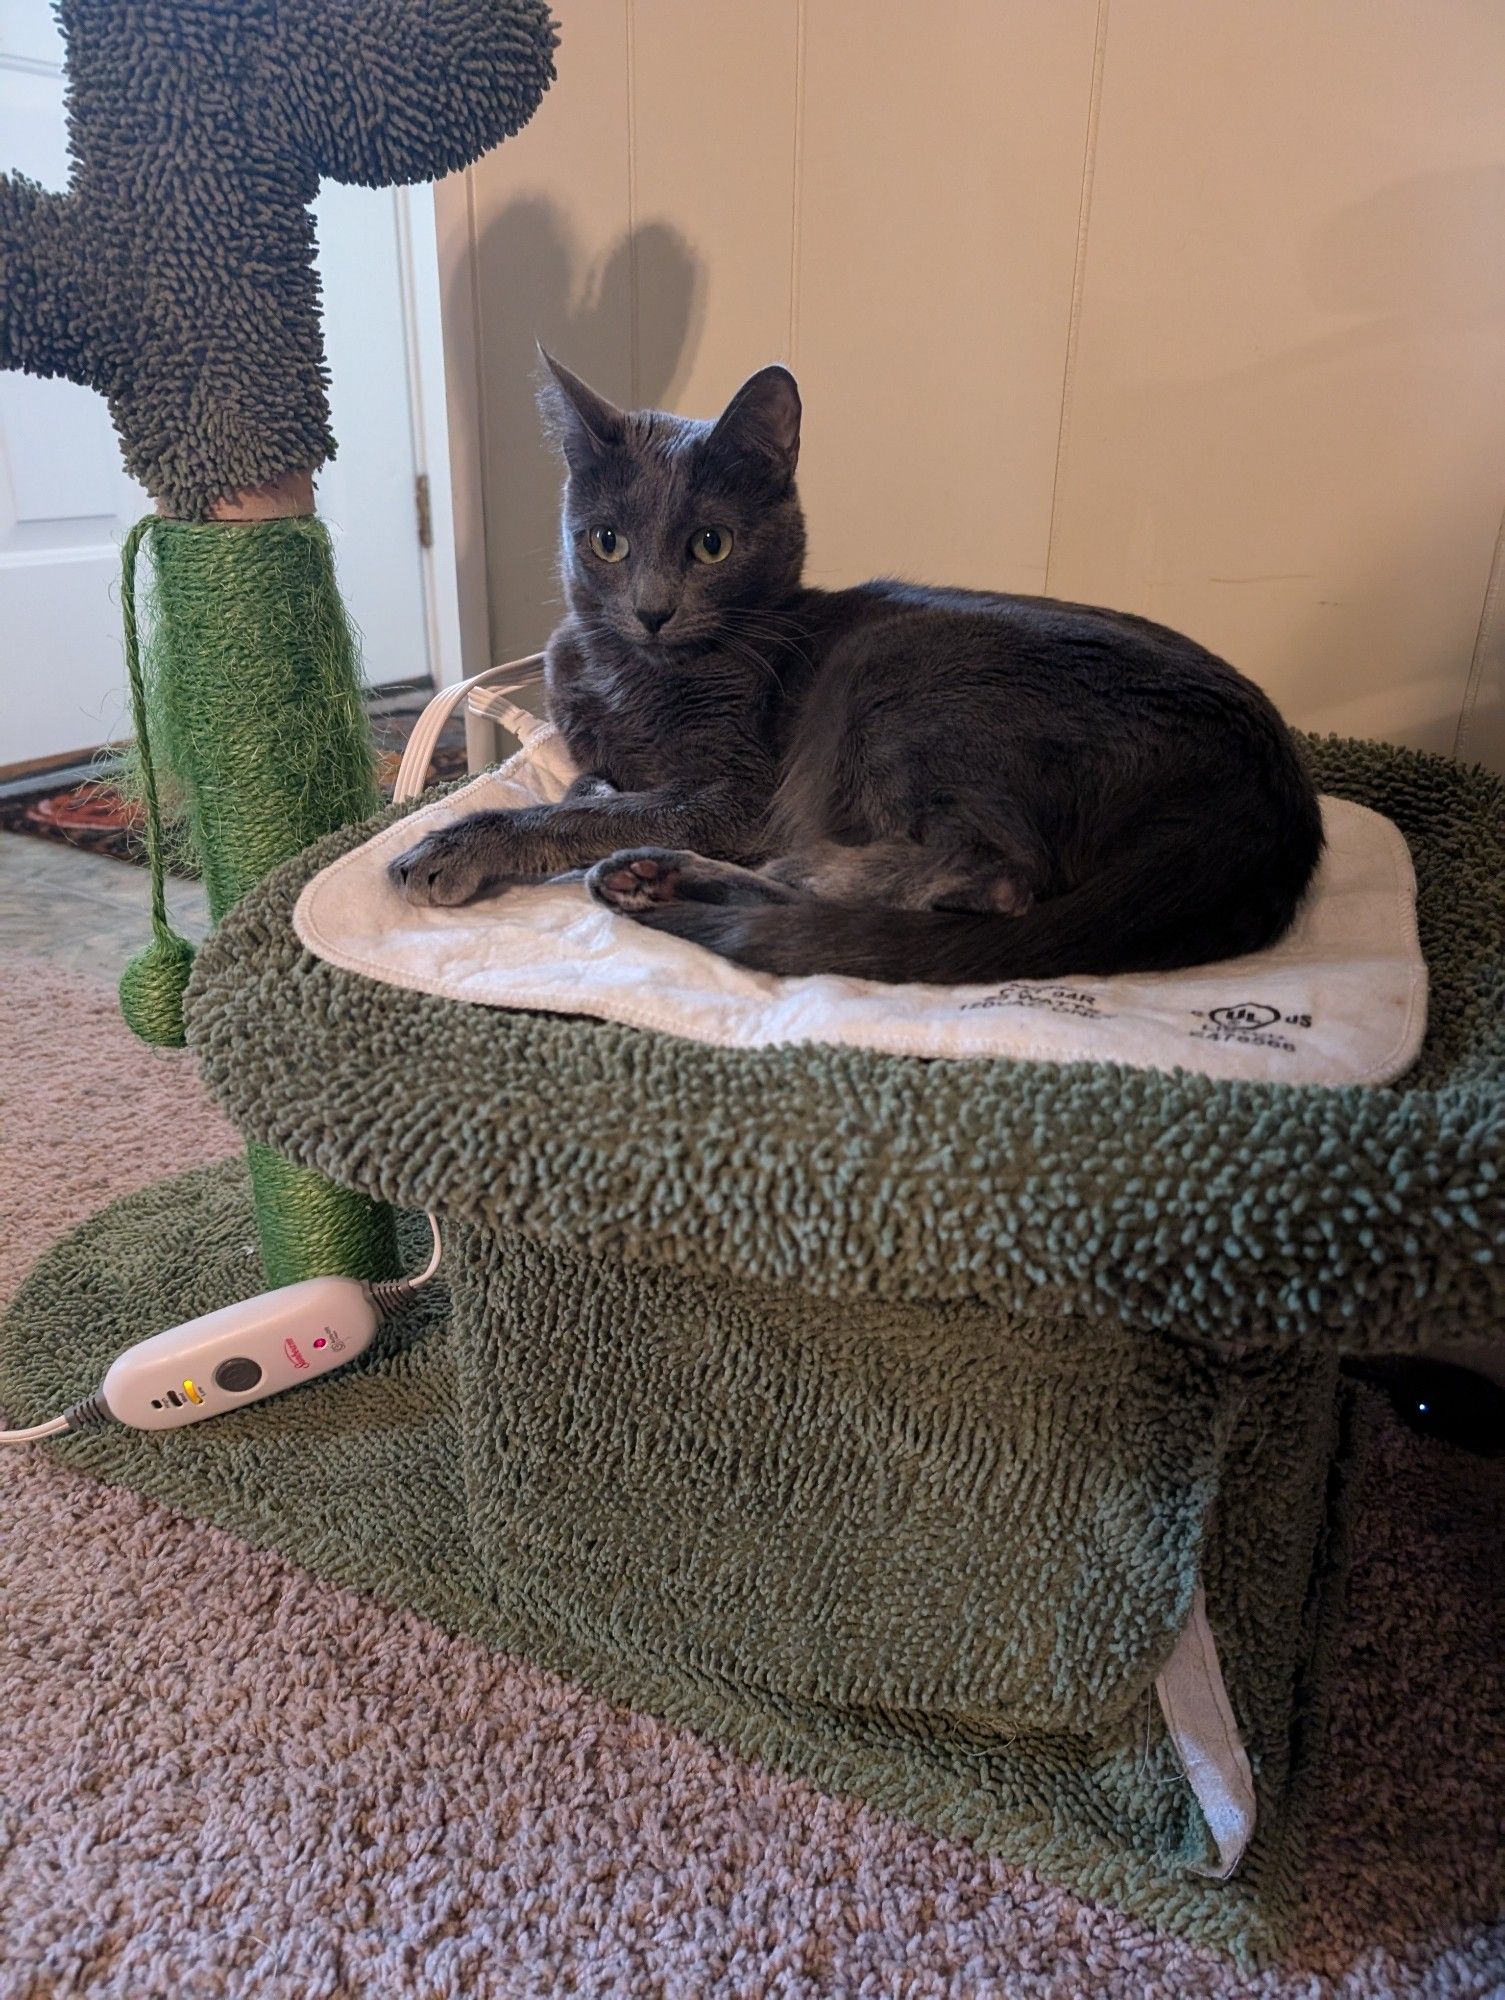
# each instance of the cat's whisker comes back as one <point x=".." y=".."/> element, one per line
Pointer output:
<point x="741" y="651"/>
<point x="765" y="626"/>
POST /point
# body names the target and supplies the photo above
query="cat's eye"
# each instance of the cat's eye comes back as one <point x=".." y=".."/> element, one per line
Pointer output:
<point x="610" y="544"/>
<point x="711" y="545"/>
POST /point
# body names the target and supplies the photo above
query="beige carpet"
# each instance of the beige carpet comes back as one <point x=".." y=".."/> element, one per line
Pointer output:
<point x="218" y="1776"/>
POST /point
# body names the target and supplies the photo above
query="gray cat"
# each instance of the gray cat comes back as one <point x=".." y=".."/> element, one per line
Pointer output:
<point x="891" y="781"/>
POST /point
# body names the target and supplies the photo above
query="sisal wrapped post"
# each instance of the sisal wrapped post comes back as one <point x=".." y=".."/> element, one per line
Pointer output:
<point x="250" y="699"/>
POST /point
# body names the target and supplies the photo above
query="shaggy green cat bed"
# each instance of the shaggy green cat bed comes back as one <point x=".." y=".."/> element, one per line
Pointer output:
<point x="876" y="1416"/>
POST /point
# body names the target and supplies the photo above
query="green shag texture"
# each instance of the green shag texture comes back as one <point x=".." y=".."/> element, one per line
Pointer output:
<point x="930" y="1556"/>
<point x="877" y="1416"/>
<point x="253" y="710"/>
<point x="154" y="982"/>
<point x="1241" y="1216"/>
<point x="176" y="275"/>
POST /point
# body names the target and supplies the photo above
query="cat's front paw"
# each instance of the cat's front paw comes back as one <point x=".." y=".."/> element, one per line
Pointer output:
<point x="637" y="879"/>
<point x="445" y="868"/>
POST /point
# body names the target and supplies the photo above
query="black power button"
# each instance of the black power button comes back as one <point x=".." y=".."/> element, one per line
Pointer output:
<point x="240" y="1372"/>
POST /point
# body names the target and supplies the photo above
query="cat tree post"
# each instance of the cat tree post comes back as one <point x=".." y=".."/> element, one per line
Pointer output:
<point x="176" y="275"/>
<point x="253" y="701"/>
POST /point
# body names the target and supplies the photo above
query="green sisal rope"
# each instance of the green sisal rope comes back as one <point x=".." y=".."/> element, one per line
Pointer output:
<point x="248" y="696"/>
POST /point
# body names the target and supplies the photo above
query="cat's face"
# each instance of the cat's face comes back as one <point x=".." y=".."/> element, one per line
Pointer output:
<point x="678" y="533"/>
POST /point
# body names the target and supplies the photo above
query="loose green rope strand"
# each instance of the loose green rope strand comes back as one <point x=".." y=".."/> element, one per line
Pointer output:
<point x="153" y="983"/>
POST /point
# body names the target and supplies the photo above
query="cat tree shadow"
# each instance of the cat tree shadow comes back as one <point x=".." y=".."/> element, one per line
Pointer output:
<point x="628" y="322"/>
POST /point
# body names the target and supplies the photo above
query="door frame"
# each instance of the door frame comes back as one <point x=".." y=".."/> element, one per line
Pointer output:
<point x="449" y="426"/>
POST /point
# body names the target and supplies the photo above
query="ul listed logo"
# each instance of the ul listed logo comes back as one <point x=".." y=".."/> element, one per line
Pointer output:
<point x="1246" y="1014"/>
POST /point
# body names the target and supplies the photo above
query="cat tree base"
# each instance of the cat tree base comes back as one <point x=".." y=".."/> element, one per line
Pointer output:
<point x="370" y="1480"/>
<point x="877" y="1417"/>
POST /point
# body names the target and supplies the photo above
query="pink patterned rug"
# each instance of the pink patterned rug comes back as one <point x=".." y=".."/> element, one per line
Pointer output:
<point x="221" y="1777"/>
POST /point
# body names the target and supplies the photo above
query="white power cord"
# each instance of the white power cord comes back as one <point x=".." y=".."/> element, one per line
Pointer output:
<point x="390" y="1295"/>
<point x="37" y="1431"/>
<point x="252" y="1350"/>
<point x="241" y="1354"/>
<point x="435" y="1253"/>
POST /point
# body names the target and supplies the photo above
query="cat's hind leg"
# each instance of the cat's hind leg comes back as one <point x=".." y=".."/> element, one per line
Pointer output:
<point x="640" y="878"/>
<point x="885" y="874"/>
<point x="910" y="875"/>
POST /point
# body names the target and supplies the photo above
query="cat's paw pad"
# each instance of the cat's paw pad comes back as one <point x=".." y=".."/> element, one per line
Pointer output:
<point x="637" y="879"/>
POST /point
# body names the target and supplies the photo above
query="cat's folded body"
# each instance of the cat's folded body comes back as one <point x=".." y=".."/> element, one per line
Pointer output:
<point x="888" y="782"/>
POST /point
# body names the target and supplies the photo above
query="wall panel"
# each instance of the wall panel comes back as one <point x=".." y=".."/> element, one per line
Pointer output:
<point x="941" y="181"/>
<point x="1193" y="309"/>
<point x="1286" y="430"/>
<point x="550" y="222"/>
<point x="713" y="151"/>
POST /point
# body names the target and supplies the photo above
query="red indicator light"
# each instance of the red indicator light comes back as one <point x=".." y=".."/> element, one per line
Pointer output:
<point x="321" y="1341"/>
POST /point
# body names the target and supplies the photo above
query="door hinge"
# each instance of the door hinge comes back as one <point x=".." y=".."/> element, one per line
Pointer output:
<point x="425" y="511"/>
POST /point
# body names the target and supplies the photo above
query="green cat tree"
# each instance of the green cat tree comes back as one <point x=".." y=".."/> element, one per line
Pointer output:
<point x="877" y="1416"/>
<point x="176" y="276"/>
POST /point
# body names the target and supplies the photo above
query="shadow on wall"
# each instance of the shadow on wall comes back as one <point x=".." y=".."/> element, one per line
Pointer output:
<point x="1428" y="245"/>
<point x="628" y="323"/>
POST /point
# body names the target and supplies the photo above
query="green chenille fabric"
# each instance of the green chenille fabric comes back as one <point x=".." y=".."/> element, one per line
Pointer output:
<point x="875" y="1416"/>
<point x="912" y="1554"/>
<point x="176" y="273"/>
<point x="1239" y="1216"/>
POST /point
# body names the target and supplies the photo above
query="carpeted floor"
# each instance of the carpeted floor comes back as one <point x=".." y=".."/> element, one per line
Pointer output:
<point x="218" y="1776"/>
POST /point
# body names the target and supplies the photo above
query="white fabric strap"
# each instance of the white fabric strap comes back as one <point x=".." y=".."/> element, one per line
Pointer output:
<point x="493" y="703"/>
<point x="1198" y="1715"/>
<point x="484" y="699"/>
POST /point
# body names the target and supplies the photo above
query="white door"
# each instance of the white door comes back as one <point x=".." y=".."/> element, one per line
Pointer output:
<point x="368" y="493"/>
<point x="65" y="502"/>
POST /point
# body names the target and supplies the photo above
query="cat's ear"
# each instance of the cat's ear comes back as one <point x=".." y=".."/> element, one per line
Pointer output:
<point x="584" y="425"/>
<point x="761" y="423"/>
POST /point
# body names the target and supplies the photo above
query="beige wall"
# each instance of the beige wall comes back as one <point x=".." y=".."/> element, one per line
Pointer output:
<point x="1192" y="307"/>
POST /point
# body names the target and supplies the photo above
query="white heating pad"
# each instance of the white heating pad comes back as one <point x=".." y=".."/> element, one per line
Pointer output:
<point x="1341" y="999"/>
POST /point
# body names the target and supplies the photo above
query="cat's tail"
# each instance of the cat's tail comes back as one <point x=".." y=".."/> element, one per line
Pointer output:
<point x="1147" y="914"/>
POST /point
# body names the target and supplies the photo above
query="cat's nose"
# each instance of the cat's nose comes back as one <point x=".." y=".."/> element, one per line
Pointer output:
<point x="653" y="618"/>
